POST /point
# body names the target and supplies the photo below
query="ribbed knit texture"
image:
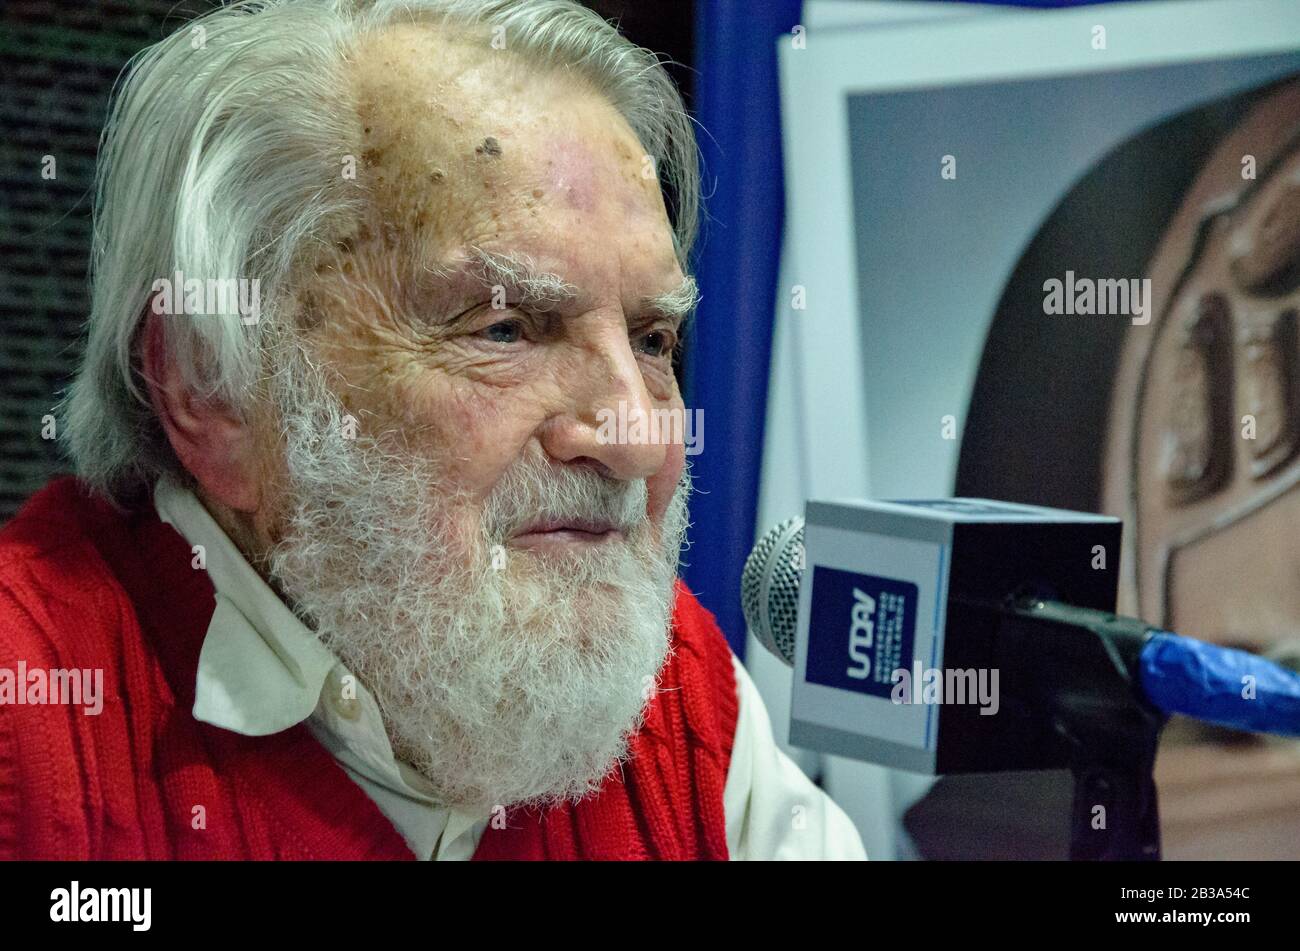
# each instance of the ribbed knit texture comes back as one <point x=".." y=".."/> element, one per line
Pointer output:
<point x="85" y="586"/>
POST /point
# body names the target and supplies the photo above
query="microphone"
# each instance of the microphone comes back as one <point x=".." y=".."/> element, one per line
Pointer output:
<point x="769" y="587"/>
<point x="974" y="636"/>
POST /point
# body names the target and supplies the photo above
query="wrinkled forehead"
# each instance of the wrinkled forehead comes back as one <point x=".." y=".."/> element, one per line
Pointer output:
<point x="450" y="126"/>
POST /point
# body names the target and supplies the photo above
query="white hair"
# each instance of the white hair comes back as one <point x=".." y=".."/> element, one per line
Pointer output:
<point x="221" y="159"/>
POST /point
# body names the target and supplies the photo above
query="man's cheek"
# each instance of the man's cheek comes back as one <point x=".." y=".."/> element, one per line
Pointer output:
<point x="663" y="484"/>
<point x="474" y="433"/>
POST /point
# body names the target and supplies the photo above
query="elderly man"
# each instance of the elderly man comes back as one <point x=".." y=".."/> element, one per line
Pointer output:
<point x="363" y="573"/>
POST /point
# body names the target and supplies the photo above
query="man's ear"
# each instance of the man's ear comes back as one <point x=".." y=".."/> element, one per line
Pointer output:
<point x="209" y="438"/>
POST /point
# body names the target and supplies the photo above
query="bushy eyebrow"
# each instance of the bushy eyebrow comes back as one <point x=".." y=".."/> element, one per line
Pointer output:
<point x="676" y="304"/>
<point x="519" y="275"/>
<point x="544" y="291"/>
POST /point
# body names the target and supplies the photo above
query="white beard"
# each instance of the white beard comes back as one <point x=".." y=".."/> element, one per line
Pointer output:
<point x="520" y="683"/>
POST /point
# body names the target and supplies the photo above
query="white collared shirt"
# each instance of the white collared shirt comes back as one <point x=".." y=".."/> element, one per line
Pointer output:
<point x="262" y="671"/>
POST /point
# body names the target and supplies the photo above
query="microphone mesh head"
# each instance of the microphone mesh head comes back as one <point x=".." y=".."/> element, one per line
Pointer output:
<point x="769" y="587"/>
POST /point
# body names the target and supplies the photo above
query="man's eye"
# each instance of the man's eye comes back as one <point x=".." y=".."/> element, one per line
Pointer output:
<point x="503" y="331"/>
<point x="656" y="343"/>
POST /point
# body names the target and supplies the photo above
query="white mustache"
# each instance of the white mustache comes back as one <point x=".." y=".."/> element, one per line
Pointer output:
<point x="530" y="492"/>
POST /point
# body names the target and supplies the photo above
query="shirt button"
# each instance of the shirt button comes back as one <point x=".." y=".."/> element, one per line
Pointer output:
<point x="341" y="693"/>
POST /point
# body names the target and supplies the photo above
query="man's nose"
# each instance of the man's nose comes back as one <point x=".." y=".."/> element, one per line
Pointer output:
<point x="610" y="420"/>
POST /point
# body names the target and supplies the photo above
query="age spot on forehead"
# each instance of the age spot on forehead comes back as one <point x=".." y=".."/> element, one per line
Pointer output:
<point x="572" y="172"/>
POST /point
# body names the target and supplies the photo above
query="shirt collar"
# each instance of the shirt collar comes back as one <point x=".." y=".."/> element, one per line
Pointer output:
<point x="260" y="670"/>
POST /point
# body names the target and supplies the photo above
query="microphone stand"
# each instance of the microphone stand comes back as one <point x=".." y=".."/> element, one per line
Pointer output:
<point x="1078" y="669"/>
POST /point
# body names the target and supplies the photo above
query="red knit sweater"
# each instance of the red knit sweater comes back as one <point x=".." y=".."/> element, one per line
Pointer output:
<point x="85" y="586"/>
